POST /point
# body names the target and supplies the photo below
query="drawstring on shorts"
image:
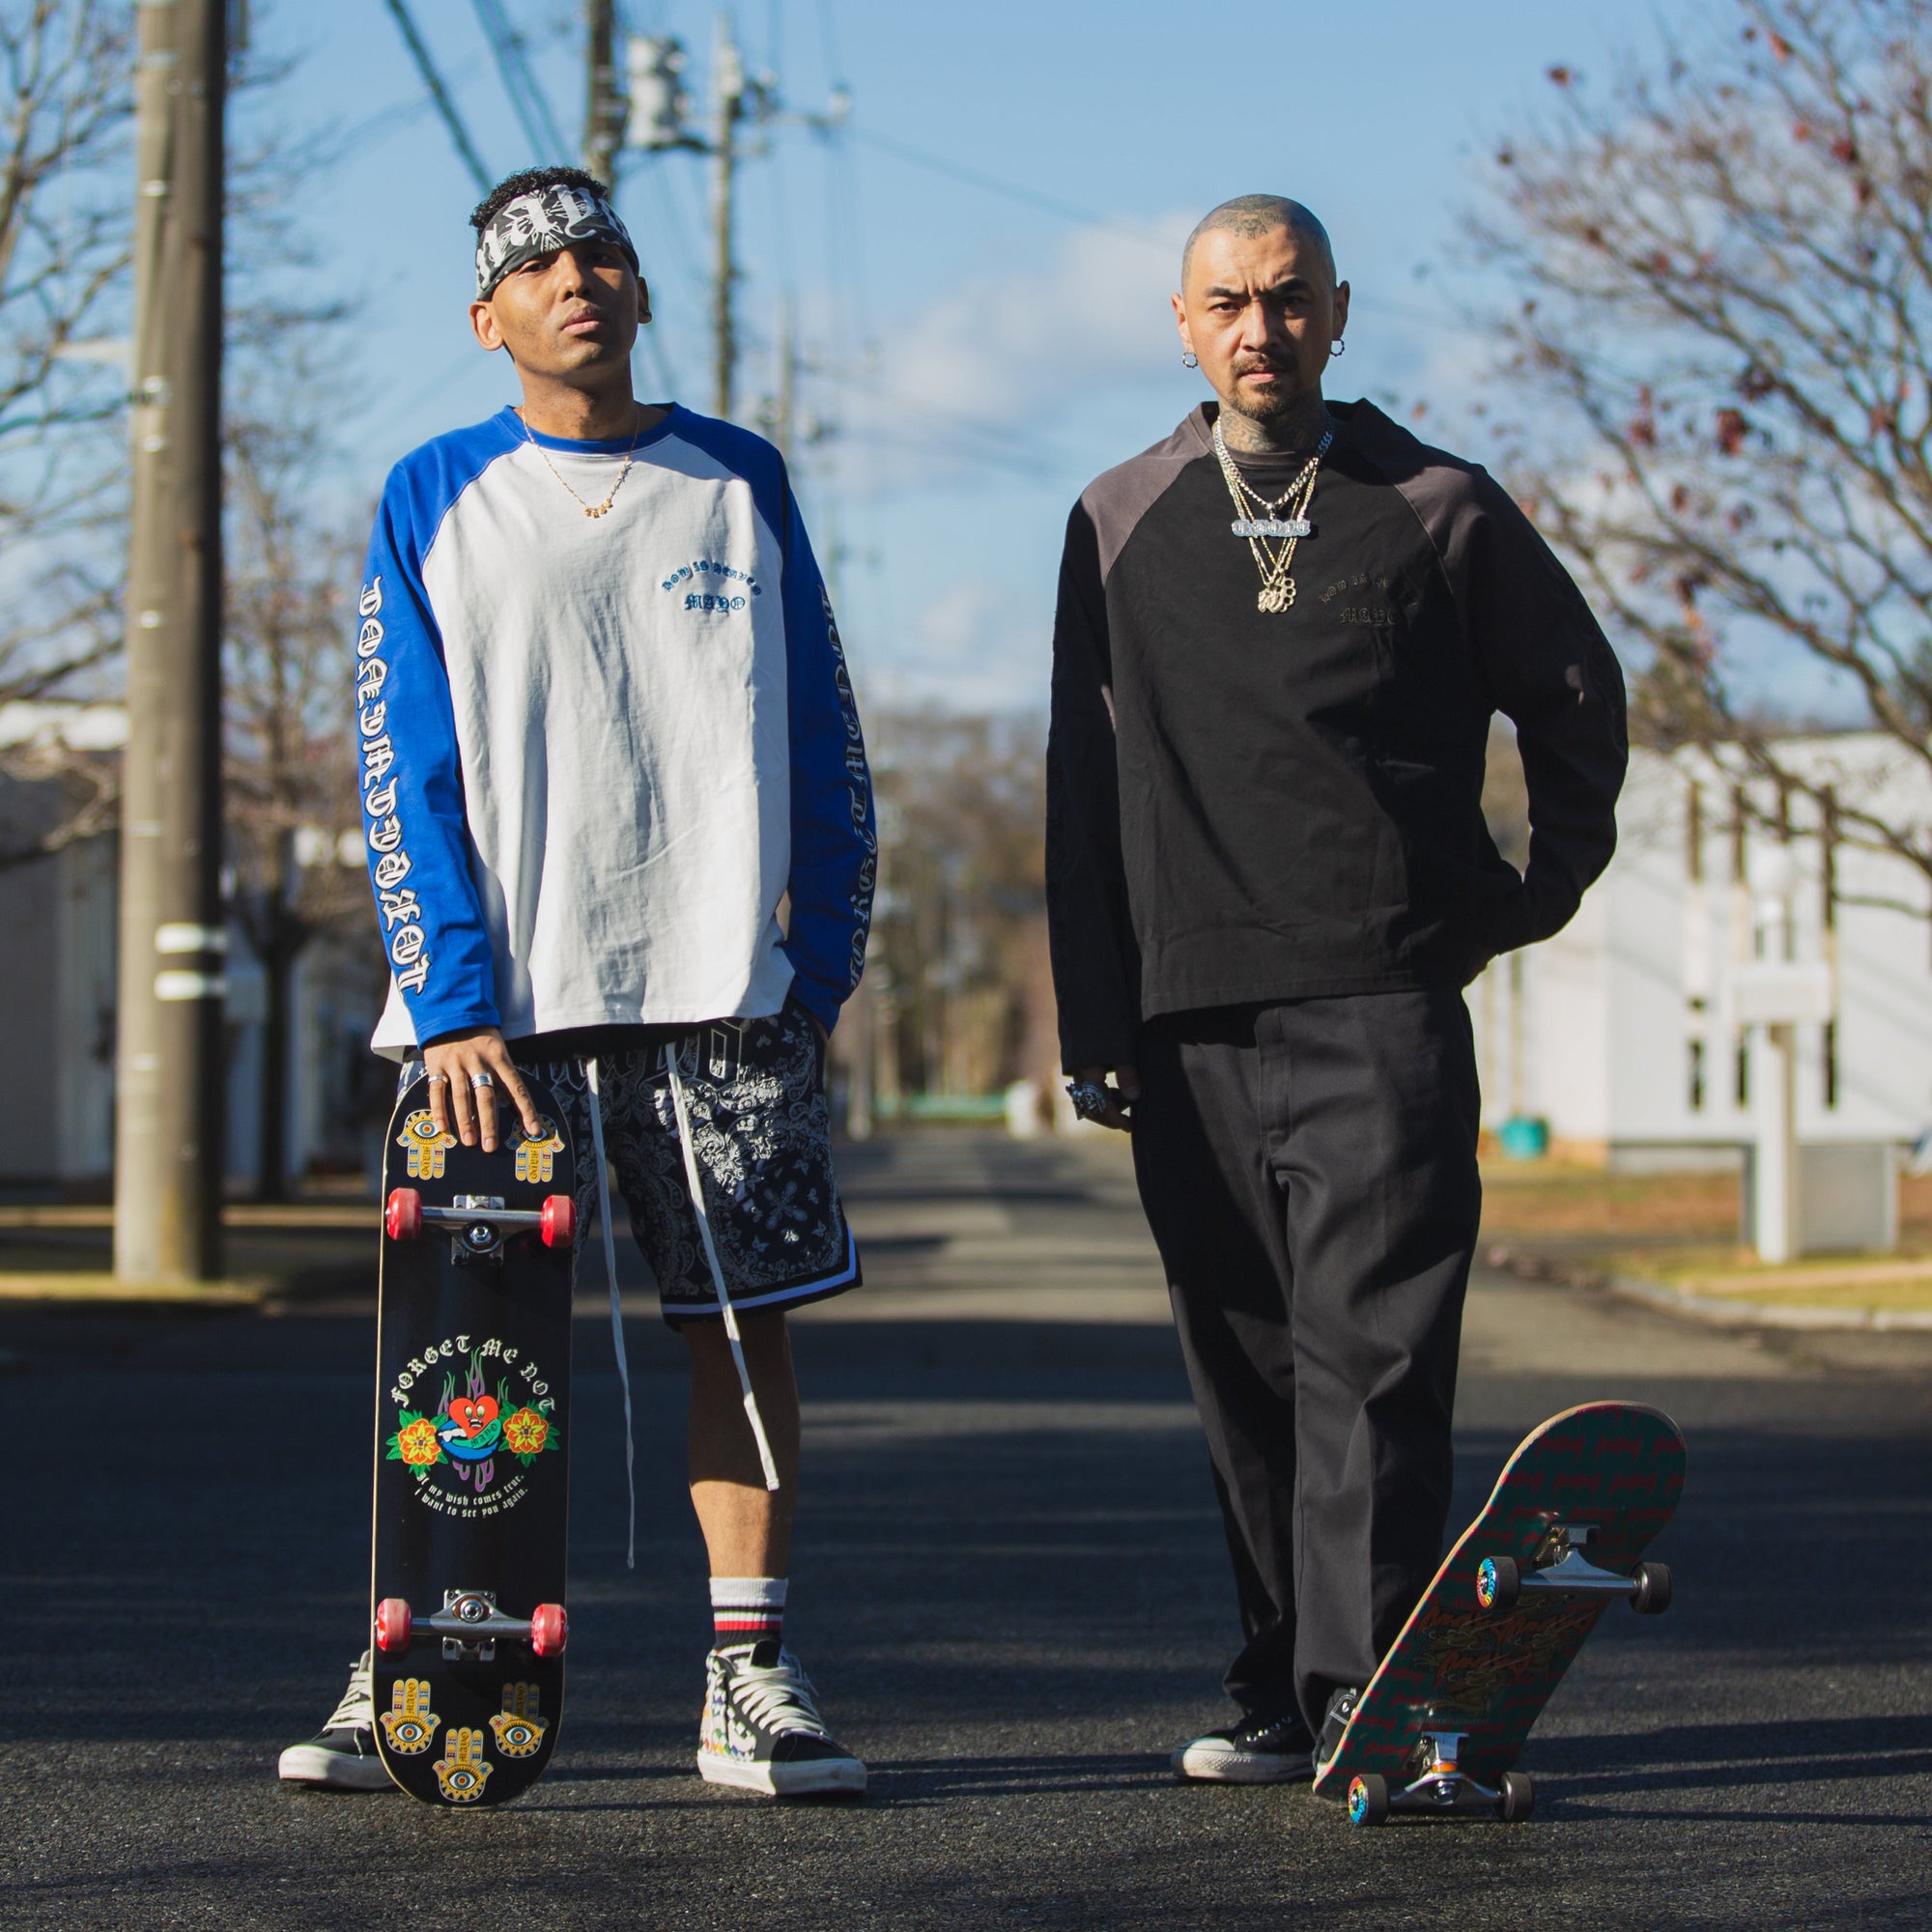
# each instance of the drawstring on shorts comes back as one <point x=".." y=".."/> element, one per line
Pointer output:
<point x="696" y="1183"/>
<point x="617" y="1311"/>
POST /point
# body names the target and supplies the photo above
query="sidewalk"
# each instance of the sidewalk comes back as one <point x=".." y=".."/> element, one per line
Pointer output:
<point x="1671" y="1242"/>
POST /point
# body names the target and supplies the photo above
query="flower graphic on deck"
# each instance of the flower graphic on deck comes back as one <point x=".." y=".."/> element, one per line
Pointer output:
<point x="415" y="1442"/>
<point x="526" y="1434"/>
<point x="427" y="1145"/>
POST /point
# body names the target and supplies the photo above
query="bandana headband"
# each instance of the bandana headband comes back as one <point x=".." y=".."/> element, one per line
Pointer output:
<point x="540" y="224"/>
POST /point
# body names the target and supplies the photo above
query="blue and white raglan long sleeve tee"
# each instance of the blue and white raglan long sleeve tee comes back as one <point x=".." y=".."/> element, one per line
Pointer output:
<point x="598" y="750"/>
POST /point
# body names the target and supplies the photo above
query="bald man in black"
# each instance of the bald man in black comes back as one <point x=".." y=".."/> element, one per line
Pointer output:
<point x="1281" y="636"/>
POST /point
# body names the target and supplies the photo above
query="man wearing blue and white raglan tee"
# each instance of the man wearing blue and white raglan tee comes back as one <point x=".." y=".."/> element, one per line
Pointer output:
<point x="606" y="727"/>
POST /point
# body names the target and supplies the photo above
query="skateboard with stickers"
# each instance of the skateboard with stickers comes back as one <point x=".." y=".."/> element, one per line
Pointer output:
<point x="1447" y="1713"/>
<point x="472" y="1435"/>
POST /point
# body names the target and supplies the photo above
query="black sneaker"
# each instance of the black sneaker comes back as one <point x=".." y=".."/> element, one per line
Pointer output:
<point x="1334" y="1722"/>
<point x="342" y="1755"/>
<point x="762" y="1730"/>
<point x="1258" y="1750"/>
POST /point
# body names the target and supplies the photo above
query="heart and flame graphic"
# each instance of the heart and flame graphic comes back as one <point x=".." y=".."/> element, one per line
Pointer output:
<point x="474" y="1414"/>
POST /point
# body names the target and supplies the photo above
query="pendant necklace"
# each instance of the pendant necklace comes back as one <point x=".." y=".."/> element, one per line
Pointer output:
<point x="602" y="509"/>
<point x="1258" y="519"/>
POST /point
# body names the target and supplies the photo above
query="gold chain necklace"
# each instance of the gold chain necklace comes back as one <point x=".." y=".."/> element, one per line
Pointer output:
<point x="1277" y="591"/>
<point x="602" y="509"/>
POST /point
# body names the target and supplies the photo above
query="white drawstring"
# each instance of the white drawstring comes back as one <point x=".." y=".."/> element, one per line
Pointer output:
<point x="696" y="1181"/>
<point x="617" y="1311"/>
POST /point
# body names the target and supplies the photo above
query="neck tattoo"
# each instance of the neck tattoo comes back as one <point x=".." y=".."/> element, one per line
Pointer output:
<point x="1259" y="520"/>
<point x="602" y="509"/>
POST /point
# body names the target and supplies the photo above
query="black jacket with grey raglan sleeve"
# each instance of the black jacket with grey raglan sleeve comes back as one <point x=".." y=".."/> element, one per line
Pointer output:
<point x="1244" y="806"/>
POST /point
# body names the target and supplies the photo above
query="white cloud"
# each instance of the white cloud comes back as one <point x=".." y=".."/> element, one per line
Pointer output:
<point x="982" y="375"/>
<point x="975" y="646"/>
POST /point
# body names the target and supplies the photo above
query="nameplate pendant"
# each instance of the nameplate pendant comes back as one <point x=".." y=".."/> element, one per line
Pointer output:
<point x="1272" y="526"/>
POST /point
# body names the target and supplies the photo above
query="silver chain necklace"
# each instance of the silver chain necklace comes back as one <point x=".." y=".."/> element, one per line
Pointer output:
<point x="1277" y="591"/>
<point x="602" y="509"/>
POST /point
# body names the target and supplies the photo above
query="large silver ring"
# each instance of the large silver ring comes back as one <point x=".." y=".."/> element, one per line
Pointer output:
<point x="1091" y="1098"/>
<point x="479" y="1081"/>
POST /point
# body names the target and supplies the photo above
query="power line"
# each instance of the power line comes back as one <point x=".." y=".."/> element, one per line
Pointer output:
<point x="991" y="184"/>
<point x="1071" y="212"/>
<point x="527" y="97"/>
<point x="444" y="105"/>
<point x="397" y="116"/>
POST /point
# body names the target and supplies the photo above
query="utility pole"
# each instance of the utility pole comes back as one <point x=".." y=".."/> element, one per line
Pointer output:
<point x="777" y="414"/>
<point x="169" y="1141"/>
<point x="657" y="123"/>
<point x="727" y="107"/>
<point x="605" y="106"/>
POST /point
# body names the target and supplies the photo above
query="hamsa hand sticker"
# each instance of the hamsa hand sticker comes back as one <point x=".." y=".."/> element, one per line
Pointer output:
<point x="427" y="1144"/>
<point x="536" y="1159"/>
<point x="409" y="1724"/>
<point x="517" y="1727"/>
<point x="461" y="1769"/>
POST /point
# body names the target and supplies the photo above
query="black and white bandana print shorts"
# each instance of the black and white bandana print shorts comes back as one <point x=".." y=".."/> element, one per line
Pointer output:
<point x="755" y="1090"/>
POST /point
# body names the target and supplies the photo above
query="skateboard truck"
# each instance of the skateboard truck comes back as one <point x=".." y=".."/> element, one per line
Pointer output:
<point x="1442" y="1786"/>
<point x="470" y="1627"/>
<point x="1502" y="1583"/>
<point x="480" y="1223"/>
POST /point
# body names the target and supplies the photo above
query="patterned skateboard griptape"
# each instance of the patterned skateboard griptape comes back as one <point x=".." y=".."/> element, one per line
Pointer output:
<point x="1455" y="1667"/>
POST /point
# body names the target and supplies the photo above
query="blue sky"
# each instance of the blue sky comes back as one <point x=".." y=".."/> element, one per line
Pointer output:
<point x="974" y="359"/>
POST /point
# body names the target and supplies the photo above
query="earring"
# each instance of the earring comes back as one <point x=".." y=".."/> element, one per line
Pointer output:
<point x="1338" y="349"/>
<point x="1189" y="360"/>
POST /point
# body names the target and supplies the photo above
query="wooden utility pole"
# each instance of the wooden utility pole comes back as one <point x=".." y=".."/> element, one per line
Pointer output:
<point x="170" y="1139"/>
<point x="784" y="429"/>
<point x="727" y="102"/>
<point x="604" y="106"/>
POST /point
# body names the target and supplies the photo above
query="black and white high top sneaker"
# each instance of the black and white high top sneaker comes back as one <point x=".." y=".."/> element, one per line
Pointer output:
<point x="762" y="1730"/>
<point x="1258" y="1750"/>
<point x="342" y="1755"/>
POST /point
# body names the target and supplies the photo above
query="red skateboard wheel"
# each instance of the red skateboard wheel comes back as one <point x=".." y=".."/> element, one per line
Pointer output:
<point x="550" y="1628"/>
<point x="392" y="1613"/>
<point x="559" y="1221"/>
<point x="404" y="1215"/>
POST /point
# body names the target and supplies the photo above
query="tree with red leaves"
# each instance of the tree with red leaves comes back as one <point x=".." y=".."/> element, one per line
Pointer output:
<point x="1725" y="265"/>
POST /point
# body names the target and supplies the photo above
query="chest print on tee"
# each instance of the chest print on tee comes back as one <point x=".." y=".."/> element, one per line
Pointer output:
<point x="707" y="585"/>
<point x="1365" y="598"/>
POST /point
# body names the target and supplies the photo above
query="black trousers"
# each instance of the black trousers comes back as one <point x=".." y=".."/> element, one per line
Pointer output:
<point x="1309" y="1171"/>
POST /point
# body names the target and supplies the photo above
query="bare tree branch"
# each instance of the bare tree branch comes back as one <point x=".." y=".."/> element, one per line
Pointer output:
<point x="1724" y="265"/>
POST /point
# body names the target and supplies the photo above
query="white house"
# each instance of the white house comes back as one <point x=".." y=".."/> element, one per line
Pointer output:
<point x="1620" y="1032"/>
<point x="58" y="952"/>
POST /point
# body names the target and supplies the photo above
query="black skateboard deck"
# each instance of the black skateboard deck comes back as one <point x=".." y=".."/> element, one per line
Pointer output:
<point x="472" y="1438"/>
<point x="1443" y="1720"/>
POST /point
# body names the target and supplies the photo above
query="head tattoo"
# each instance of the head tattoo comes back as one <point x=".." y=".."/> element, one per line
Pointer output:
<point x="1252" y="215"/>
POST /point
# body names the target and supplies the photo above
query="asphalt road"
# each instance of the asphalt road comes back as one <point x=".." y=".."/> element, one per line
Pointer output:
<point x="1010" y="1588"/>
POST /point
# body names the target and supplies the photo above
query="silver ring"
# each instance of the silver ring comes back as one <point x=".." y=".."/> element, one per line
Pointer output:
<point x="1091" y="1098"/>
<point x="436" y="1079"/>
<point x="479" y="1081"/>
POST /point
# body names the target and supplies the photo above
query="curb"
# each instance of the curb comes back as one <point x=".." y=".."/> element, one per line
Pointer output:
<point x="105" y="1289"/>
<point x="1725" y="1313"/>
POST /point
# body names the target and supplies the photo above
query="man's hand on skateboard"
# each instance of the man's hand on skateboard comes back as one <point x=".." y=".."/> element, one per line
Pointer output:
<point x="466" y="1072"/>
